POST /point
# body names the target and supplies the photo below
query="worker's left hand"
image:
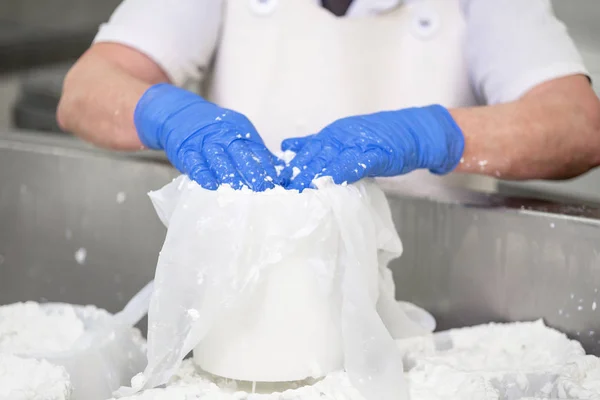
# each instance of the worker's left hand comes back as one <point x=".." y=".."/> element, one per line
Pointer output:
<point x="382" y="144"/>
<point x="211" y="144"/>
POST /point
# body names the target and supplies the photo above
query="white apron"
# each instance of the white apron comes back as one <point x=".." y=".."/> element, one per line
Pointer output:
<point x="293" y="67"/>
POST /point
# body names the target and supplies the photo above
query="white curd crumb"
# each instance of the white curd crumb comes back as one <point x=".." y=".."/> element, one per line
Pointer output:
<point x="295" y="172"/>
<point x="28" y="328"/>
<point x="81" y="255"/>
<point x="121" y="197"/>
<point x="31" y="379"/>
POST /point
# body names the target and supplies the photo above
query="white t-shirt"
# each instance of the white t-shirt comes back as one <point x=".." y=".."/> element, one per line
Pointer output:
<point x="511" y="45"/>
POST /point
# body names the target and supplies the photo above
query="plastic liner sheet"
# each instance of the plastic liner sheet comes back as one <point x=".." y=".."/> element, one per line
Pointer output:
<point x="222" y="245"/>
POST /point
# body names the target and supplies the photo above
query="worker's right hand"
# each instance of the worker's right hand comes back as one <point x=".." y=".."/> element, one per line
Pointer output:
<point x="210" y="144"/>
<point x="382" y="144"/>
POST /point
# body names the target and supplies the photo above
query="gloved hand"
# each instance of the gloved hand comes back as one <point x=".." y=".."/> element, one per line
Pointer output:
<point x="382" y="144"/>
<point x="210" y="144"/>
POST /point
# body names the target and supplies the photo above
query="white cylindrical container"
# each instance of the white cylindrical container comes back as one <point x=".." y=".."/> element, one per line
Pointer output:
<point x="290" y="330"/>
<point x="288" y="327"/>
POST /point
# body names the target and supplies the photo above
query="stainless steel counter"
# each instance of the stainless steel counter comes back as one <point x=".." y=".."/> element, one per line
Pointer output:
<point x="476" y="259"/>
<point x="76" y="226"/>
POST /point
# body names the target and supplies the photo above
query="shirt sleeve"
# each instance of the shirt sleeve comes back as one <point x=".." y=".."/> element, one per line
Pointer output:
<point x="180" y="36"/>
<point x="514" y="45"/>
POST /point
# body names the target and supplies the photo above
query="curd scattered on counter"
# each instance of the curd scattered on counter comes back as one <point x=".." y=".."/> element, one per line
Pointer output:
<point x="31" y="379"/>
<point x="489" y="362"/>
<point x="27" y="328"/>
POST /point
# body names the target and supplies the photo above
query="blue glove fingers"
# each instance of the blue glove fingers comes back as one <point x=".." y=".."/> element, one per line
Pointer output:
<point x="204" y="178"/>
<point x="221" y="165"/>
<point x="268" y="161"/>
<point x="318" y="166"/>
<point x="196" y="168"/>
<point x="295" y="144"/>
<point x="352" y="165"/>
<point x="249" y="166"/>
<point x="303" y="157"/>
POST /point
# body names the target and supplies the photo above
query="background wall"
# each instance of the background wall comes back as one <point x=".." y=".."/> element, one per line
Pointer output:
<point x="56" y="13"/>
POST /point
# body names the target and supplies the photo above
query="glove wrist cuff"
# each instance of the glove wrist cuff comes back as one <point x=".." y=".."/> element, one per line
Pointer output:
<point x="450" y="137"/>
<point x="156" y="106"/>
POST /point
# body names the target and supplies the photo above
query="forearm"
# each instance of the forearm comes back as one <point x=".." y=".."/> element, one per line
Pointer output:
<point x="99" y="98"/>
<point x="553" y="132"/>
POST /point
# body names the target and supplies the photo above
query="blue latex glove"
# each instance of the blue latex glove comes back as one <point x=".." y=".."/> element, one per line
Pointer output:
<point x="382" y="144"/>
<point x="210" y="144"/>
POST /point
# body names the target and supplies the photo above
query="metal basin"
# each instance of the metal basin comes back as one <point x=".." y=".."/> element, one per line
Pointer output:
<point x="76" y="226"/>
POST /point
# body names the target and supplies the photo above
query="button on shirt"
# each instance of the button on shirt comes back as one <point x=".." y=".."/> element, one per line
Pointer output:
<point x="511" y="45"/>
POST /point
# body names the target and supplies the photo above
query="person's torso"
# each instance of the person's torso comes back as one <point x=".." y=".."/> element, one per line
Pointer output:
<point x="293" y="67"/>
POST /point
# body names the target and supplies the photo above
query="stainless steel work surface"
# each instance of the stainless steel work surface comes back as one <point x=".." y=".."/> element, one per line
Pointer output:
<point x="494" y="259"/>
<point x="468" y="258"/>
<point x="59" y="199"/>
